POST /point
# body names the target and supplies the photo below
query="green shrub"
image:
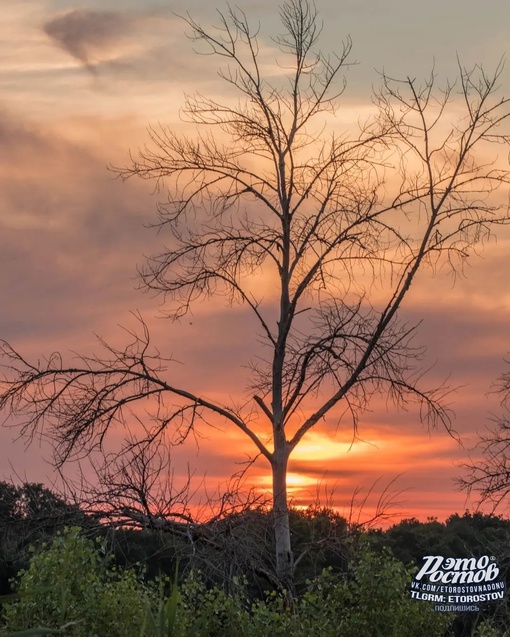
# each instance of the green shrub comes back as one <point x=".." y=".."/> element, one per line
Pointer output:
<point x="70" y="582"/>
<point x="371" y="600"/>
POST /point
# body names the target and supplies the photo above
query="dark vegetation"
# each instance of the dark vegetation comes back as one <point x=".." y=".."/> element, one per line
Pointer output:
<point x="70" y="569"/>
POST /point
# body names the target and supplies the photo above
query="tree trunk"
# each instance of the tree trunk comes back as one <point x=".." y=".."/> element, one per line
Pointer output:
<point x="284" y="557"/>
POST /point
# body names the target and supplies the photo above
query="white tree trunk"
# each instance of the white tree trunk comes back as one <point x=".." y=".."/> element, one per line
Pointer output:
<point x="284" y="557"/>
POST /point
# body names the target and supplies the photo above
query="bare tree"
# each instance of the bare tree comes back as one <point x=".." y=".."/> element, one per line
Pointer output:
<point x="222" y="534"/>
<point x="488" y="473"/>
<point x="343" y="222"/>
<point x="134" y="488"/>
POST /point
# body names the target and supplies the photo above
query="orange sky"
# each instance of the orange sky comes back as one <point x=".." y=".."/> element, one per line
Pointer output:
<point x="77" y="93"/>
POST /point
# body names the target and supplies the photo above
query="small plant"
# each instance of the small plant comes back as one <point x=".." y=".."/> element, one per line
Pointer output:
<point x="163" y="622"/>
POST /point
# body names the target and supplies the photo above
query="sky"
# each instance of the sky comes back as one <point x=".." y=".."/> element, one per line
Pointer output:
<point x="80" y="82"/>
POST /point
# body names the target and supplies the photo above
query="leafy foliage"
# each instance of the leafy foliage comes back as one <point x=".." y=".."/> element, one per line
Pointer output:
<point x="72" y="584"/>
<point x="29" y="514"/>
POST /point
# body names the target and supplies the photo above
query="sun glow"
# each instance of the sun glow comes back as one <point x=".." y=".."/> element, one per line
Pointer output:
<point x="295" y="481"/>
<point x="319" y="446"/>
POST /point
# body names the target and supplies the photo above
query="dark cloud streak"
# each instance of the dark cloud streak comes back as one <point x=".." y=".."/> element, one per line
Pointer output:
<point x="83" y="32"/>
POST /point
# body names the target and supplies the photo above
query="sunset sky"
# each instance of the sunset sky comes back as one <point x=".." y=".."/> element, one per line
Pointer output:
<point x="79" y="83"/>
